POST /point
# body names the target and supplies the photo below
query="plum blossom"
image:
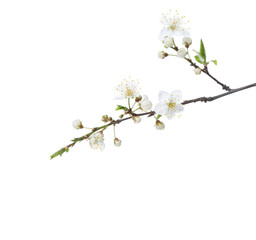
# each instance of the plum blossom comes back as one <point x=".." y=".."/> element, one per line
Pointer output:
<point x="169" y="104"/>
<point x="173" y="25"/>
<point x="96" y="141"/>
<point x="128" y="89"/>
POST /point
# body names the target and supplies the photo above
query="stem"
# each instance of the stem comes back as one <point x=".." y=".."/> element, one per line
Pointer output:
<point x="149" y="114"/>
<point x="204" y="70"/>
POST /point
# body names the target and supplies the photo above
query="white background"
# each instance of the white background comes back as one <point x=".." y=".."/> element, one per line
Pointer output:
<point x="60" y="60"/>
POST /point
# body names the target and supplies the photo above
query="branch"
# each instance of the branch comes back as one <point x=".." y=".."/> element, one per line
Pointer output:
<point x="205" y="71"/>
<point x="209" y="99"/>
<point x="149" y="114"/>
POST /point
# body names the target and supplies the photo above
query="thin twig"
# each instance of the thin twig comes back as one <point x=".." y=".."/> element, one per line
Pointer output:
<point x="205" y="71"/>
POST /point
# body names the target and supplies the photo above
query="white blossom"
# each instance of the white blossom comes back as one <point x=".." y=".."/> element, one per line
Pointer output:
<point x="187" y="41"/>
<point x="96" y="141"/>
<point x="128" y="89"/>
<point x="162" y="54"/>
<point x="169" y="104"/>
<point x="136" y="119"/>
<point x="197" y="71"/>
<point x="174" y="25"/>
<point x="181" y="53"/>
<point x="159" y="125"/>
<point x="77" y="124"/>
<point x="117" y="142"/>
<point x="145" y="104"/>
<point x="168" y="42"/>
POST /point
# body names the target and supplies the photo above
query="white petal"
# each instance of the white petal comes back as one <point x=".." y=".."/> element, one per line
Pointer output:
<point x="165" y="32"/>
<point x="169" y="114"/>
<point x="179" y="108"/>
<point x="176" y="95"/>
<point x="161" y="108"/>
<point x="119" y="97"/>
<point x="163" y="96"/>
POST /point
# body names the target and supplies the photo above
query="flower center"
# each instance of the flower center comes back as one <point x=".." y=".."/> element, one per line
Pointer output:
<point x="173" y="26"/>
<point x="171" y="105"/>
<point x="128" y="92"/>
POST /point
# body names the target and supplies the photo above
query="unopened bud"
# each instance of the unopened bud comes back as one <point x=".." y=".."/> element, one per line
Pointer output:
<point x="181" y="53"/>
<point x="162" y="54"/>
<point x="136" y="119"/>
<point x="187" y="41"/>
<point x="121" y="116"/>
<point x="105" y="118"/>
<point x="138" y="99"/>
<point x="159" y="125"/>
<point x="168" y="42"/>
<point x="197" y="71"/>
<point x="117" y="142"/>
<point x="77" y="124"/>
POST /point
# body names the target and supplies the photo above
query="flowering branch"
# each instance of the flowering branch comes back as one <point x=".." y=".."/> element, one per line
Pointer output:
<point x="169" y="105"/>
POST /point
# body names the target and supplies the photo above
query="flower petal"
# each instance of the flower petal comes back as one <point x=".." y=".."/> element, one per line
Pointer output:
<point x="165" y="32"/>
<point x="176" y="95"/>
<point x="161" y="108"/>
<point x="163" y="96"/>
<point x="170" y="114"/>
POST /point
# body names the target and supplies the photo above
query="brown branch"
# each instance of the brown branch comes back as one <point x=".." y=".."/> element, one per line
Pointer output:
<point x="205" y="71"/>
<point x="149" y="114"/>
<point x="209" y="99"/>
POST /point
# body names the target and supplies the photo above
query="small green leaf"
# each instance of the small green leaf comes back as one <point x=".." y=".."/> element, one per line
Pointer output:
<point x="214" y="61"/>
<point x="199" y="59"/>
<point x="158" y="116"/>
<point x="59" y="153"/>
<point x="202" y="50"/>
<point x="119" y="107"/>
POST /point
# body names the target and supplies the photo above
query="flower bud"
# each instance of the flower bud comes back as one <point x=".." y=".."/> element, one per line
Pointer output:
<point x="181" y="53"/>
<point x="197" y="71"/>
<point x="121" y="116"/>
<point x="117" y="142"/>
<point x="105" y="118"/>
<point x="187" y="41"/>
<point x="159" y="125"/>
<point x="162" y="54"/>
<point x="145" y="104"/>
<point x="136" y="119"/>
<point x="77" y="124"/>
<point x="168" y="42"/>
<point x="138" y="99"/>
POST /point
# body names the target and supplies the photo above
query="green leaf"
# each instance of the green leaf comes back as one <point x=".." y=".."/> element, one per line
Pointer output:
<point x="119" y="107"/>
<point x="202" y="51"/>
<point x="199" y="59"/>
<point x="214" y="61"/>
<point x="158" y="116"/>
<point x="59" y="153"/>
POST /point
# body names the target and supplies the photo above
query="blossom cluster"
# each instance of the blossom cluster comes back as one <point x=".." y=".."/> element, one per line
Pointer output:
<point x="169" y="105"/>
